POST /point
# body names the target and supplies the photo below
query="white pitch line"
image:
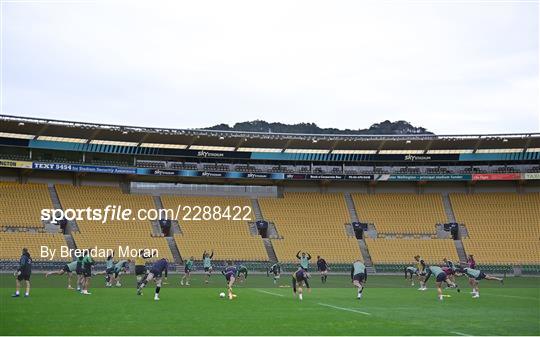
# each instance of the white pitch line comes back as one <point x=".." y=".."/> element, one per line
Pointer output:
<point x="344" y="309"/>
<point x="269" y="293"/>
<point x="513" y="296"/>
<point x="459" y="333"/>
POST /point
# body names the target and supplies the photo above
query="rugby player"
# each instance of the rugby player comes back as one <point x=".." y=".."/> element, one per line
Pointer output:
<point x="68" y="268"/>
<point x="299" y="279"/>
<point x="140" y="264"/>
<point x="275" y="269"/>
<point x="304" y="260"/>
<point x="322" y="267"/>
<point x="87" y="263"/>
<point x="242" y="273"/>
<point x="421" y="270"/>
<point x="79" y="272"/>
<point x="23" y="273"/>
<point x="409" y="273"/>
<point x="475" y="276"/>
<point x="440" y="277"/>
<point x="187" y="271"/>
<point x="358" y="276"/>
<point x="121" y="266"/>
<point x="230" y="273"/>
<point x="450" y="269"/>
<point x="207" y="264"/>
<point x="109" y="270"/>
<point x="156" y="273"/>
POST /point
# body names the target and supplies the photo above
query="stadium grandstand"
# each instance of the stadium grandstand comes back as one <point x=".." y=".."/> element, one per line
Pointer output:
<point x="381" y="199"/>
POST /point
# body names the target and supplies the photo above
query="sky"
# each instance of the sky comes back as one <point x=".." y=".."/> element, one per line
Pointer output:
<point x="453" y="67"/>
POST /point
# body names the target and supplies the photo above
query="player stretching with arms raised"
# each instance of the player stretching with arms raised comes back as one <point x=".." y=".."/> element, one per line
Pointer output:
<point x="359" y="276"/>
<point x="475" y="276"/>
<point x="304" y="260"/>
<point x="230" y="273"/>
<point x="322" y="267"/>
<point x="299" y="279"/>
<point x="440" y="277"/>
<point x="156" y="271"/>
<point x="69" y="268"/>
<point x="187" y="271"/>
<point x="207" y="264"/>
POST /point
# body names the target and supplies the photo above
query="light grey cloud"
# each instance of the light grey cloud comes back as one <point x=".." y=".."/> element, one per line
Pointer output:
<point x="453" y="67"/>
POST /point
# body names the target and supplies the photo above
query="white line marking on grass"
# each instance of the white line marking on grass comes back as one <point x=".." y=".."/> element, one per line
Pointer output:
<point x="459" y="333"/>
<point x="513" y="296"/>
<point x="269" y="292"/>
<point x="345" y="309"/>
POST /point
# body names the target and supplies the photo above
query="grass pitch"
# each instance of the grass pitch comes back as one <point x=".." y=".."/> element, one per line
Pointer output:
<point x="389" y="307"/>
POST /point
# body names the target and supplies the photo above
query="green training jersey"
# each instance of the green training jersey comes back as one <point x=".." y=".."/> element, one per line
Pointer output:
<point x="358" y="267"/>
<point x="304" y="262"/>
<point x="435" y="270"/>
<point x="242" y="270"/>
<point x="472" y="273"/>
<point x="72" y="266"/>
<point x="207" y="262"/>
<point x="109" y="264"/>
<point x="87" y="261"/>
<point x="189" y="264"/>
<point x="120" y="265"/>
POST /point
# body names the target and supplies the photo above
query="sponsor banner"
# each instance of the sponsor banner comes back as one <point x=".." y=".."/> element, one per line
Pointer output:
<point x="497" y="176"/>
<point x="324" y="177"/>
<point x="159" y="172"/>
<point x="84" y="168"/>
<point x="352" y="157"/>
<point x="15" y="163"/>
<point x="295" y="176"/>
<point x="425" y="177"/>
<point x="531" y="175"/>
<point x="364" y="177"/>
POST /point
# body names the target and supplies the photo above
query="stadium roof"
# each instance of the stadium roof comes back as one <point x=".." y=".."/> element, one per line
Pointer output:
<point x="81" y="132"/>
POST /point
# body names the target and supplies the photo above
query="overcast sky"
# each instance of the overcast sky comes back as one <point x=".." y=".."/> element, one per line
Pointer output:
<point x="450" y="66"/>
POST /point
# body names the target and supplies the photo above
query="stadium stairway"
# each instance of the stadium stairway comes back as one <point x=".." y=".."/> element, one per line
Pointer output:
<point x="256" y="209"/>
<point x="452" y="218"/>
<point x="366" y="256"/>
<point x="58" y="205"/>
<point x="361" y="243"/>
<point x="253" y="229"/>
<point x="350" y="206"/>
<point x="156" y="228"/>
<point x="272" y="257"/>
<point x="461" y="251"/>
<point x="448" y="208"/>
<point x="70" y="241"/>
<point x="174" y="250"/>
